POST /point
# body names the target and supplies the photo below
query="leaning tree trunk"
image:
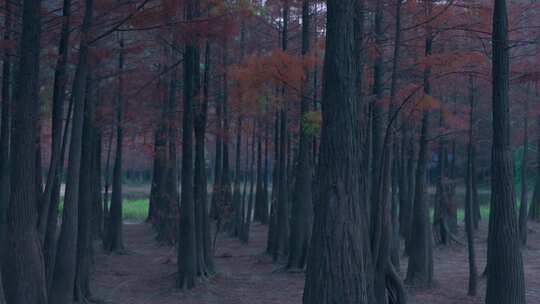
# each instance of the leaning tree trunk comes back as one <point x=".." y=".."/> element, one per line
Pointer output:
<point x="22" y="259"/>
<point x="340" y="267"/>
<point x="505" y="282"/>
<point x="113" y="239"/>
<point x="63" y="280"/>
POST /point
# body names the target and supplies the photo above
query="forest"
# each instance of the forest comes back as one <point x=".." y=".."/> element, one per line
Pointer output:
<point x="269" y="151"/>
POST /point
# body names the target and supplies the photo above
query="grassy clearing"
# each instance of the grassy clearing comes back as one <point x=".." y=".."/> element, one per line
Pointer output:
<point x="135" y="209"/>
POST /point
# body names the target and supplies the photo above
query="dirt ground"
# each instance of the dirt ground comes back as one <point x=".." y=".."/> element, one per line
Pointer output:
<point x="146" y="273"/>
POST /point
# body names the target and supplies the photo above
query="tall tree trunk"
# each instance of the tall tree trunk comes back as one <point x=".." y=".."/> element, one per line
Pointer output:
<point x="281" y="235"/>
<point x="265" y="207"/>
<point x="114" y="242"/>
<point x="251" y="202"/>
<point x="5" y="132"/>
<point x="340" y="267"/>
<point x="50" y="243"/>
<point x="420" y="269"/>
<point x="524" y="169"/>
<point x="237" y="192"/>
<point x="63" y="280"/>
<point x="505" y="282"/>
<point x="187" y="261"/>
<point x="84" y="241"/>
<point x="469" y="212"/>
<point x="59" y="92"/>
<point x="270" y="240"/>
<point x="23" y="260"/>
<point x="200" y="187"/>
<point x="534" y="208"/>
<point x="302" y="208"/>
<point x="97" y="202"/>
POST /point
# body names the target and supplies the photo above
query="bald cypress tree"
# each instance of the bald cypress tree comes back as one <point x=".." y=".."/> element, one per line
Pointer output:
<point x="23" y="258"/>
<point x="340" y="267"/>
<point x="505" y="283"/>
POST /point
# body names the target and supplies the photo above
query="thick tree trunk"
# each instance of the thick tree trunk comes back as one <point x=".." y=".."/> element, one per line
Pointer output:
<point x="63" y="280"/>
<point x="302" y="208"/>
<point x="187" y="249"/>
<point x="23" y="259"/>
<point x="339" y="267"/>
<point x="205" y="264"/>
<point x="5" y="132"/>
<point x="113" y="241"/>
<point x="505" y="282"/>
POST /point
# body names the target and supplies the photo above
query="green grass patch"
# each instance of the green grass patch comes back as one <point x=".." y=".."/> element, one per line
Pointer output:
<point x="135" y="209"/>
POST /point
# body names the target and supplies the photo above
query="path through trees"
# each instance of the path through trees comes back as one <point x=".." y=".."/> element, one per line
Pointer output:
<point x="245" y="275"/>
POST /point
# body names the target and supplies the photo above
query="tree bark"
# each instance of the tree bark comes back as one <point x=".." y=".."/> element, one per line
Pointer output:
<point x="469" y="211"/>
<point x="84" y="241"/>
<point x="301" y="212"/>
<point x="420" y="269"/>
<point x="524" y="169"/>
<point x="63" y="280"/>
<point x="114" y="242"/>
<point x="5" y="131"/>
<point x="505" y="282"/>
<point x="22" y="258"/>
<point x="187" y="261"/>
<point x="340" y="266"/>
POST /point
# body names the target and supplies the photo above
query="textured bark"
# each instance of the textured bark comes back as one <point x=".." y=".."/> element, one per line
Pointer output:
<point x="65" y="266"/>
<point x="340" y="267"/>
<point x="22" y="258"/>
<point x="505" y="282"/>
<point x="187" y="261"/>
<point x="5" y="131"/>
<point x="59" y="92"/>
<point x="524" y="169"/>
<point x="205" y="263"/>
<point x="113" y="239"/>
<point x="302" y="209"/>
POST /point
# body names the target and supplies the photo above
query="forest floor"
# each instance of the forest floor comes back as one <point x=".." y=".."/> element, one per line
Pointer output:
<point x="145" y="274"/>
